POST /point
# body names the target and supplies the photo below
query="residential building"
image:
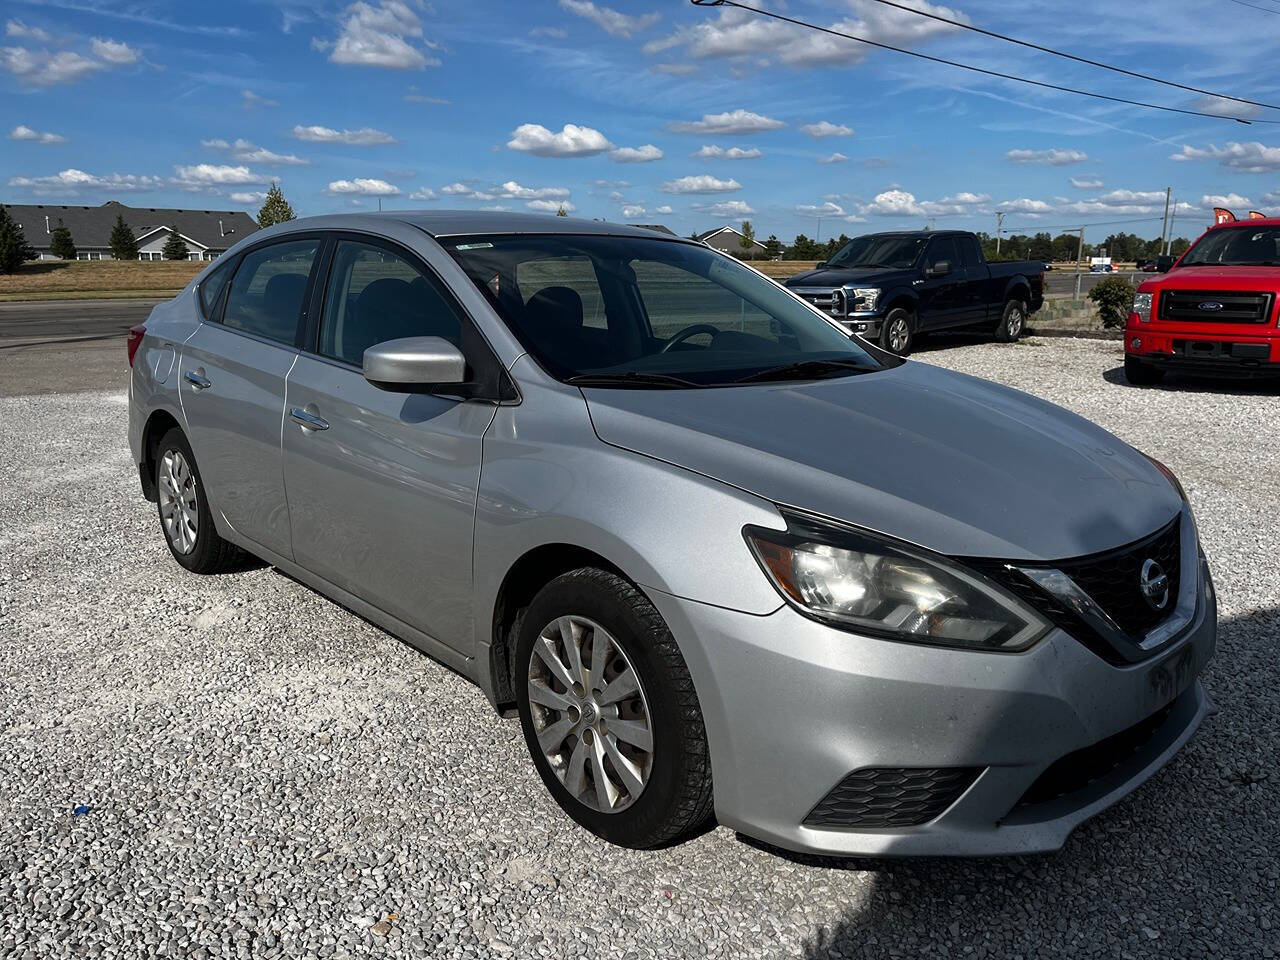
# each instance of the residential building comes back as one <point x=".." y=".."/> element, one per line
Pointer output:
<point x="728" y="240"/>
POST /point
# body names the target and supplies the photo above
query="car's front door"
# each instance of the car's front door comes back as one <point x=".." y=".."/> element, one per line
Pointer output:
<point x="941" y="289"/>
<point x="381" y="484"/>
<point x="232" y="386"/>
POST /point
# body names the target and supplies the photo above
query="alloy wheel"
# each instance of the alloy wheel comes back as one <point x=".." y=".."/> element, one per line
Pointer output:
<point x="1014" y="324"/>
<point x="590" y="714"/>
<point x="179" y="512"/>
<point x="898" y="334"/>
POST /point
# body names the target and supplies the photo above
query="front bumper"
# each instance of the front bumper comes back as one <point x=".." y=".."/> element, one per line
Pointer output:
<point x="866" y="326"/>
<point x="1211" y="351"/>
<point x="792" y="707"/>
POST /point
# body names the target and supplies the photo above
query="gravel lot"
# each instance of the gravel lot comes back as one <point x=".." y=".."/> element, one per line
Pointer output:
<point x="267" y="775"/>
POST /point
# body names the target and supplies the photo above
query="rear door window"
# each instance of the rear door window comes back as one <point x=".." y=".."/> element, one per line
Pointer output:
<point x="944" y="248"/>
<point x="268" y="289"/>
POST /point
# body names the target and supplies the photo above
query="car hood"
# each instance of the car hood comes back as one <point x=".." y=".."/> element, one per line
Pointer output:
<point x="1216" y="278"/>
<point x="943" y="460"/>
<point x="839" y="277"/>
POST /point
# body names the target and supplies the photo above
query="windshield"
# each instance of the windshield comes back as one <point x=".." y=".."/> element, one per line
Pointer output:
<point x="652" y="313"/>
<point x="898" y="252"/>
<point x="1236" y="247"/>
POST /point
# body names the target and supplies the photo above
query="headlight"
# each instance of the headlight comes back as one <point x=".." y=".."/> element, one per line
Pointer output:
<point x="864" y="299"/>
<point x="1142" y="306"/>
<point x="860" y="582"/>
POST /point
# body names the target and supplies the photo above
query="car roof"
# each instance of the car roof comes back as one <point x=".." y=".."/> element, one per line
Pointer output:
<point x="446" y="223"/>
<point x="1255" y="222"/>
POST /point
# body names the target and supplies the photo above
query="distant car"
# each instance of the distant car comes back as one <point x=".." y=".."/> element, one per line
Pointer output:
<point x="1048" y="265"/>
<point x="1100" y="268"/>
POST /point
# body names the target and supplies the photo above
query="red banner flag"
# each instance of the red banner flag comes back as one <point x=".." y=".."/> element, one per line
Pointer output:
<point x="1222" y="215"/>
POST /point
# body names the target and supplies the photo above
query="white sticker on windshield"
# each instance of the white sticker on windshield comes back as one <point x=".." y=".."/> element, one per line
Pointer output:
<point x="473" y="246"/>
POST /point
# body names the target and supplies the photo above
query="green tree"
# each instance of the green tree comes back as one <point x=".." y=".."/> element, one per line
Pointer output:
<point x="60" y="243"/>
<point x="14" y="248"/>
<point x="174" y="248"/>
<point x="748" y="239"/>
<point x="773" y="247"/>
<point x="1041" y="247"/>
<point x="275" y="209"/>
<point x="804" y="249"/>
<point x="124" y="245"/>
<point x="1179" y="247"/>
<point x="1066" y="247"/>
<point x="1114" y="297"/>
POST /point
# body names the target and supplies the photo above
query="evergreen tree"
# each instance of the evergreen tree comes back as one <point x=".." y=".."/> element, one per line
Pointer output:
<point x="174" y="248"/>
<point x="275" y="209"/>
<point x="14" y="248"/>
<point x="805" y="249"/>
<point x="562" y="212"/>
<point x="773" y="247"/>
<point x="748" y="239"/>
<point x="60" y="243"/>
<point x="124" y="245"/>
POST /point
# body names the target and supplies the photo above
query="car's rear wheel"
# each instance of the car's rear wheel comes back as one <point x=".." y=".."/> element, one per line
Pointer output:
<point x="1013" y="322"/>
<point x="897" y="332"/>
<point x="1140" y="373"/>
<point x="184" y="510"/>
<point x="609" y="712"/>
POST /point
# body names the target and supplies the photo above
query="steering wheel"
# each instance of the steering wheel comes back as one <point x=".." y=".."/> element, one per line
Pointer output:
<point x="680" y="336"/>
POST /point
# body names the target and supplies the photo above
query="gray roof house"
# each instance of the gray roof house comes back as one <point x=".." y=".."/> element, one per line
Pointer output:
<point x="728" y="240"/>
<point x="655" y="227"/>
<point x="206" y="233"/>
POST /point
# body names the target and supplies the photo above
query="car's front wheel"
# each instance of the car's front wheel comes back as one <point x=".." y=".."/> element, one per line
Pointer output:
<point x="1140" y="373"/>
<point x="897" y="332"/>
<point x="609" y="712"/>
<point x="184" y="510"/>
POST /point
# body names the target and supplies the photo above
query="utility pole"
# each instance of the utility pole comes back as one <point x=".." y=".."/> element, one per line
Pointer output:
<point x="1079" y="261"/>
<point x="1168" y="244"/>
<point x="1164" y="226"/>
<point x="999" y="228"/>
<point x="819" y="236"/>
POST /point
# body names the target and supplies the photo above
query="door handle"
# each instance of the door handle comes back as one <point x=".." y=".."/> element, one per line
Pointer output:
<point x="309" y="421"/>
<point x="197" y="381"/>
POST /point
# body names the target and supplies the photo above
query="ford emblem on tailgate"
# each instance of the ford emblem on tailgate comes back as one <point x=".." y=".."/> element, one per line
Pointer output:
<point x="1211" y="305"/>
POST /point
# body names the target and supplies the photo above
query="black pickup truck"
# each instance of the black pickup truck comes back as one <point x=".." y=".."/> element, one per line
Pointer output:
<point x="892" y="286"/>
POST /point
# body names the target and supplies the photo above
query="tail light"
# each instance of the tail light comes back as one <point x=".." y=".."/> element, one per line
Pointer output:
<point x="134" y="341"/>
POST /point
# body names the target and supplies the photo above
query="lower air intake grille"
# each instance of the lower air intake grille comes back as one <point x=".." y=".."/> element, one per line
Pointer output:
<point x="891" y="797"/>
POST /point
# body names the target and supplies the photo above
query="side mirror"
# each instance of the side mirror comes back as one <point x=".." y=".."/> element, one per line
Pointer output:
<point x="821" y="265"/>
<point x="1164" y="264"/>
<point x="414" y="364"/>
<point x="939" y="269"/>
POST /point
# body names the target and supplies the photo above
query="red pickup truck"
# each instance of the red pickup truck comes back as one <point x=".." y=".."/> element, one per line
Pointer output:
<point x="1214" y="312"/>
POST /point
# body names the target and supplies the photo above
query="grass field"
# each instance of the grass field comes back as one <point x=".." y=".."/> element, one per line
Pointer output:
<point x="97" y="279"/>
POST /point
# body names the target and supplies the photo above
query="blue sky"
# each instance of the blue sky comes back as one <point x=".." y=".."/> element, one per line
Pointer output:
<point x="655" y="111"/>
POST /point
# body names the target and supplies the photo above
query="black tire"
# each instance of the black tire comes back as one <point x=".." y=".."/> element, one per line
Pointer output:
<point x="1141" y="374"/>
<point x="1013" y="322"/>
<point x="676" y="800"/>
<point x="209" y="553"/>
<point x="898" y="323"/>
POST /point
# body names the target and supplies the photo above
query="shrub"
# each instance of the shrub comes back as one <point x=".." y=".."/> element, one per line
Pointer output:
<point x="1114" y="297"/>
<point x="13" y="245"/>
<point x="60" y="242"/>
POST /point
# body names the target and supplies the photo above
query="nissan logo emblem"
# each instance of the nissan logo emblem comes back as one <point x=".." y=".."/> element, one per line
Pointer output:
<point x="1213" y="306"/>
<point x="1154" y="583"/>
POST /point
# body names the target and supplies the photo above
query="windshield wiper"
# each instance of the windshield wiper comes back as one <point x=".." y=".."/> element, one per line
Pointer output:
<point x="805" y="370"/>
<point x="631" y="378"/>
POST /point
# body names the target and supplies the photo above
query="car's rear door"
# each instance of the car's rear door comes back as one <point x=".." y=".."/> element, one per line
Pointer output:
<point x="941" y="297"/>
<point x="381" y="484"/>
<point x="231" y="379"/>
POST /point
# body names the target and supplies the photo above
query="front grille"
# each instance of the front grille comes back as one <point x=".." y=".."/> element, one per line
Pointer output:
<point x="828" y="301"/>
<point x="1233" y="306"/>
<point x="891" y="797"/>
<point x="1078" y="770"/>
<point x="1112" y="580"/>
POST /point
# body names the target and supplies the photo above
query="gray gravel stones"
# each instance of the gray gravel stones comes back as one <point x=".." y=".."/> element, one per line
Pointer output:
<point x="269" y="776"/>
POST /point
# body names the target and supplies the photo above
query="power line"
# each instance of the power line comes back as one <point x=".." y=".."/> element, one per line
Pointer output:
<point x="1256" y="7"/>
<point x="966" y="66"/>
<point x="1072" y="56"/>
<point x="1042" y="228"/>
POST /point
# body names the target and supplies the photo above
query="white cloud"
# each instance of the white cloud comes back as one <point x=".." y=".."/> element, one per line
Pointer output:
<point x="42" y="69"/>
<point x="1025" y="205"/>
<point x="1055" y="157"/>
<point x="497" y="208"/>
<point x="514" y="191"/>
<point x="365" y="187"/>
<point x="725" y="208"/>
<point x="711" y="150"/>
<point x="364" y="137"/>
<point x="826" y="128"/>
<point x="457" y="189"/>
<point x="73" y="181"/>
<point x="571" y="141"/>
<point x="704" y="183"/>
<point x="1123" y="198"/>
<point x="965" y="198"/>
<point x="1225" y="107"/>
<point x="1224" y="200"/>
<point x="646" y="154"/>
<point x="1249" y="157"/>
<point x="665" y="208"/>
<point x="247" y="152"/>
<point x="423" y="193"/>
<point x="674" y="69"/>
<point x="610" y="21"/>
<point x="632" y="210"/>
<point x="556" y="33"/>
<point x="551" y="206"/>
<point x="747" y="38"/>
<point x="833" y="158"/>
<point x="249" y="100"/>
<point x="827" y="209"/>
<point x="894" y="203"/>
<point x="117" y="54"/>
<point x="380" y="36"/>
<point x="1086" y="183"/>
<point x="23" y="132"/>
<point x="198" y="175"/>
<point x="733" y="122"/>
<point x="249" y="196"/>
<point x="16" y="28"/>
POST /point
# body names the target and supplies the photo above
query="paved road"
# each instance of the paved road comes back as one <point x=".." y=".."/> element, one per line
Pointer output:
<point x="1064" y="281"/>
<point x="66" y="320"/>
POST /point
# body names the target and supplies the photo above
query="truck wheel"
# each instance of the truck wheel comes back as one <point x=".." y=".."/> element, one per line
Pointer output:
<point x="896" y="335"/>
<point x="1141" y="374"/>
<point x="1013" y="322"/>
